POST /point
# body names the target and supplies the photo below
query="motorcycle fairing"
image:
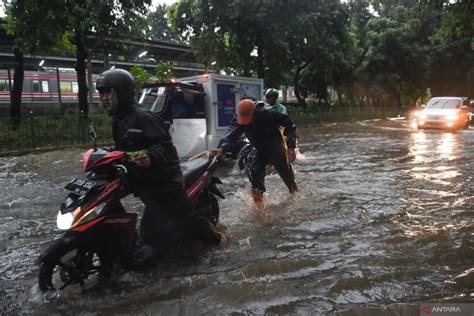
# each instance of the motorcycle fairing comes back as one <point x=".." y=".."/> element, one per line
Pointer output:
<point x="193" y="169"/>
<point x="73" y="200"/>
<point x="214" y="189"/>
<point x="97" y="158"/>
<point x="105" y="194"/>
<point x="129" y="219"/>
<point x="196" y="187"/>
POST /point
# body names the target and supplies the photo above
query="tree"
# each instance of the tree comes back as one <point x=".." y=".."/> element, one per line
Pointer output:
<point x="452" y="48"/>
<point x="164" y="71"/>
<point x="263" y="38"/>
<point x="26" y="40"/>
<point x="140" y="75"/>
<point x="395" y="60"/>
<point x="17" y="89"/>
<point x="40" y="23"/>
<point x="157" y="26"/>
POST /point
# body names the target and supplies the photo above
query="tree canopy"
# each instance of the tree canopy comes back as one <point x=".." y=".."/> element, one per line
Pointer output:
<point x="389" y="51"/>
<point x="41" y="26"/>
<point x="382" y="52"/>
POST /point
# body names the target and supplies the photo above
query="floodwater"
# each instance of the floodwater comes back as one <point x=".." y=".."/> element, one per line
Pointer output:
<point x="382" y="223"/>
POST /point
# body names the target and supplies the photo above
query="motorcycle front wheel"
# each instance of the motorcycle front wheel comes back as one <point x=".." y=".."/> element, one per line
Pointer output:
<point x="70" y="267"/>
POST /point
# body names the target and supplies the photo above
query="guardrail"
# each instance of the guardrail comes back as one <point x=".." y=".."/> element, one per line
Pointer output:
<point x="303" y="117"/>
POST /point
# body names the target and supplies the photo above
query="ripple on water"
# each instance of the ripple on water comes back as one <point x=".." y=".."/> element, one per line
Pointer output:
<point x="383" y="219"/>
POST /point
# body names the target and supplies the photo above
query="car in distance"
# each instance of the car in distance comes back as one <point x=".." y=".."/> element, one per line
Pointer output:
<point x="445" y="113"/>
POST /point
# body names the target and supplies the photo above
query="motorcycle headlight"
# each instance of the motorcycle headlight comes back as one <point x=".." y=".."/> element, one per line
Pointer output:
<point x="422" y="116"/>
<point x="78" y="217"/>
<point x="64" y="221"/>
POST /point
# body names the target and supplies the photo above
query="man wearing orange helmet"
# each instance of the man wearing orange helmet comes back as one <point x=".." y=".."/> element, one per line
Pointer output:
<point x="268" y="145"/>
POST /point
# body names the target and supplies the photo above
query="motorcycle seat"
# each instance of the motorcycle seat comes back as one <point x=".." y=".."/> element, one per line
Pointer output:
<point x="193" y="169"/>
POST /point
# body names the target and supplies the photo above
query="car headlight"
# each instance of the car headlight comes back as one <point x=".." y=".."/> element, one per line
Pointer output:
<point x="452" y="117"/>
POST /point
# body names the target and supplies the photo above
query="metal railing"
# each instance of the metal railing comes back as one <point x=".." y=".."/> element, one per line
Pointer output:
<point x="303" y="117"/>
<point x="38" y="133"/>
<point x="50" y="132"/>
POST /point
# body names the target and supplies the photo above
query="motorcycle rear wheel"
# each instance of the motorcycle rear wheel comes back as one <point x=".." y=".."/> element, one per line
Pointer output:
<point x="71" y="267"/>
<point x="208" y="207"/>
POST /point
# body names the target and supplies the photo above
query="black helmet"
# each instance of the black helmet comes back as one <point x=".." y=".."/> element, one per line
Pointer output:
<point x="122" y="82"/>
<point x="271" y="93"/>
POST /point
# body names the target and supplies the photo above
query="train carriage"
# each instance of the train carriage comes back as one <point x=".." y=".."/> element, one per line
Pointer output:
<point x="43" y="87"/>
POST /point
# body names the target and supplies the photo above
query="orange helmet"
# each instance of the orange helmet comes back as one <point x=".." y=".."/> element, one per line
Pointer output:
<point x="245" y="110"/>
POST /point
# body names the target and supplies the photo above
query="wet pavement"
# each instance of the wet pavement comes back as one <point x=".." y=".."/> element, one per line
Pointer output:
<point x="383" y="222"/>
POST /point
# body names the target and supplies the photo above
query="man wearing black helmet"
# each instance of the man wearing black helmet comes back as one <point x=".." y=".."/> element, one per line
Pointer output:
<point x="157" y="177"/>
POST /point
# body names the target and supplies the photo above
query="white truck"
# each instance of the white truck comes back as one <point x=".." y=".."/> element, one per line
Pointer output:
<point x="200" y="108"/>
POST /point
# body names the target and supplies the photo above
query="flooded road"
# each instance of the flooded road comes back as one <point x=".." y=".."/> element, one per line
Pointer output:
<point x="384" y="221"/>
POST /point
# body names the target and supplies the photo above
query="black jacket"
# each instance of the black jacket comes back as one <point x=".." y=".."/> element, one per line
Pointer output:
<point x="263" y="132"/>
<point x="164" y="174"/>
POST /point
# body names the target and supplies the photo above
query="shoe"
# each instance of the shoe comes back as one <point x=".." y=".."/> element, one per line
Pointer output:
<point x="294" y="188"/>
<point x="258" y="199"/>
<point x="143" y="256"/>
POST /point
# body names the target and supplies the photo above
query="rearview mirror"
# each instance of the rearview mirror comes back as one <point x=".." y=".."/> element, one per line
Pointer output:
<point x="91" y="132"/>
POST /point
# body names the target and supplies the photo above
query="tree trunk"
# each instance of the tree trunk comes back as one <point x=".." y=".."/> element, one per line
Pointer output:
<point x="351" y="97"/>
<point x="296" y="80"/>
<point x="399" y="98"/>
<point x="339" y="96"/>
<point x="81" y="55"/>
<point x="106" y="65"/>
<point x="259" y="42"/>
<point x="15" y="93"/>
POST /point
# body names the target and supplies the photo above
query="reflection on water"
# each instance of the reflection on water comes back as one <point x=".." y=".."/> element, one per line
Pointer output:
<point x="433" y="154"/>
<point x="447" y="145"/>
<point x="383" y="221"/>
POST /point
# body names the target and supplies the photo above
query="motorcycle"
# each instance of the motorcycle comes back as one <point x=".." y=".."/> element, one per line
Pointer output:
<point x="97" y="231"/>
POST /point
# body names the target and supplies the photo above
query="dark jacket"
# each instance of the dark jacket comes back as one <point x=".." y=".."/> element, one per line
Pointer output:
<point x="263" y="132"/>
<point x="164" y="174"/>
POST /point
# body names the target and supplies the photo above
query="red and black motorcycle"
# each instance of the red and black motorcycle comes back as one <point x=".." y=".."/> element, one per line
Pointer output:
<point x="98" y="232"/>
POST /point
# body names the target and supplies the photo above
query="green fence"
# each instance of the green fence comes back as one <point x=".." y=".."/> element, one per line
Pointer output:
<point x="317" y="115"/>
<point x="48" y="132"/>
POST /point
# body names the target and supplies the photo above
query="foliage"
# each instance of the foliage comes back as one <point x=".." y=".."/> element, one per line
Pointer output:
<point x="164" y="71"/>
<point x="452" y="48"/>
<point x="157" y="26"/>
<point x="140" y="75"/>
<point x="386" y="51"/>
<point x="41" y="25"/>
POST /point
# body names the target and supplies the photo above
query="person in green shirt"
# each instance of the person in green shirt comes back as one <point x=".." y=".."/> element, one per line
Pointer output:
<point x="271" y="96"/>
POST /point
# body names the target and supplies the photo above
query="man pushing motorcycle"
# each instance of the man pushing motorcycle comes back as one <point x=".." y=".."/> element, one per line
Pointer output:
<point x="267" y="145"/>
<point x="157" y="178"/>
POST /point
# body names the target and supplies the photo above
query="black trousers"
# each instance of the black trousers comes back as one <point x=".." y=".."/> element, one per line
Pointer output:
<point x="169" y="219"/>
<point x="256" y="169"/>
